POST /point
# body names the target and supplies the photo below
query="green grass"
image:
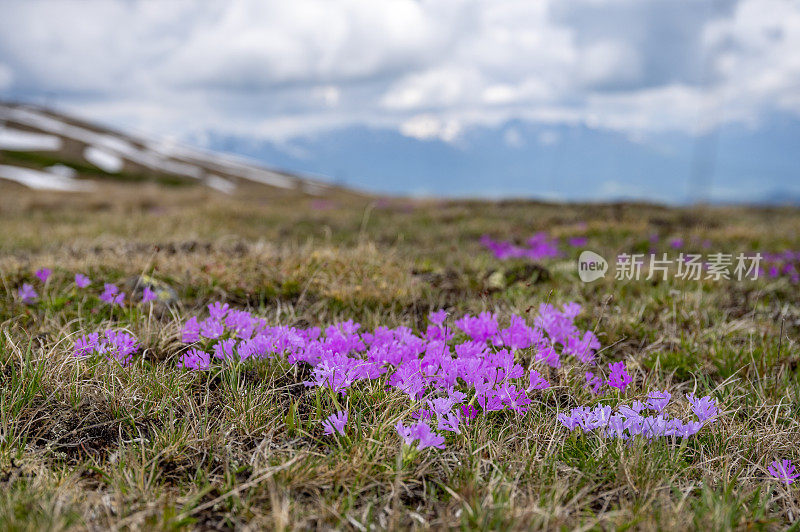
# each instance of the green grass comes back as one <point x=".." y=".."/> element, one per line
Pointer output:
<point x="85" y="444"/>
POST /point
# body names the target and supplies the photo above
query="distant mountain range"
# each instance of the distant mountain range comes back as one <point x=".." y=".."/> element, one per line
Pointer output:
<point x="735" y="164"/>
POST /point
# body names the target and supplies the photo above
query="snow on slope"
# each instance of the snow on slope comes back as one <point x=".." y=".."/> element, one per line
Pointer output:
<point x="62" y="170"/>
<point x="39" y="180"/>
<point x="104" y="160"/>
<point x="19" y="140"/>
<point x="108" y="143"/>
<point x="162" y="156"/>
<point x="220" y="183"/>
<point x="236" y="166"/>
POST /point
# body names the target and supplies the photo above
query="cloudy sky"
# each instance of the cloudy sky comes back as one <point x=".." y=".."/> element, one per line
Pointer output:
<point x="314" y="84"/>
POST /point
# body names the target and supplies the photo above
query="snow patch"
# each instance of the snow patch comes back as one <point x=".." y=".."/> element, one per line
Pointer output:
<point x="39" y="180"/>
<point x="234" y="165"/>
<point x="17" y="139"/>
<point x="62" y="170"/>
<point x="220" y="183"/>
<point x="104" y="160"/>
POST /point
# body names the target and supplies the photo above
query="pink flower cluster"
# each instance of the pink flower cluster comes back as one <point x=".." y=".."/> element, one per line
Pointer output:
<point x="428" y="367"/>
<point x="539" y="246"/>
<point x="115" y="345"/>
<point x="783" y="264"/>
<point x="630" y="421"/>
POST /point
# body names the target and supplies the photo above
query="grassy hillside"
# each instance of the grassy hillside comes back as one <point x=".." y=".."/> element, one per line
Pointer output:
<point x="88" y="443"/>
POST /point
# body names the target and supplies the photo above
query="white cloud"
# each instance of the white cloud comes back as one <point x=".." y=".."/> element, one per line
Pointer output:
<point x="760" y="53"/>
<point x="429" y="68"/>
<point x="609" y="62"/>
<point x="329" y="95"/>
<point x="426" y="127"/>
<point x="434" y="88"/>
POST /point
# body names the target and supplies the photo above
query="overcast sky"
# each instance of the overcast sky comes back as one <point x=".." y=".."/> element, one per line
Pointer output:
<point x="426" y="69"/>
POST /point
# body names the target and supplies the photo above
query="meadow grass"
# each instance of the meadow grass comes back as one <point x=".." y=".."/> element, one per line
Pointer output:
<point x="87" y="444"/>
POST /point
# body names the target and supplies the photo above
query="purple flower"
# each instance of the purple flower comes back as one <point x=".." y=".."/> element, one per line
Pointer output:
<point x="441" y="405"/>
<point x="618" y="378"/>
<point x="422" y="432"/>
<point x="690" y="428"/>
<point x="224" y="349"/>
<point x="423" y="413"/>
<point x="211" y="328"/>
<point x="467" y="413"/>
<point x="571" y="421"/>
<point x="218" y="310"/>
<point x="549" y="356"/>
<point x="676" y="243"/>
<point x="479" y="328"/>
<point x="86" y="345"/>
<point x="658" y="400"/>
<point x="335" y="423"/>
<point x="116" y="345"/>
<point x="704" y="408"/>
<point x="404" y="432"/>
<point x="517" y="336"/>
<point x="426" y="437"/>
<point x="44" y="274"/>
<point x="112" y="295"/>
<point x="438" y="317"/>
<point x="783" y="471"/>
<point x="191" y="331"/>
<point x="537" y="382"/>
<point x="540" y="246"/>
<point x="120" y="346"/>
<point x="450" y="422"/>
<point x="593" y="382"/>
<point x="627" y="423"/>
<point x="27" y="294"/>
<point x="577" y="241"/>
<point x="242" y="323"/>
<point x="148" y="295"/>
<point x="81" y="281"/>
<point x="195" y="359"/>
<point x="583" y="348"/>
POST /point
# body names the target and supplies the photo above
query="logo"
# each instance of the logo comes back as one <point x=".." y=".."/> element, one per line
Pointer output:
<point x="591" y="266"/>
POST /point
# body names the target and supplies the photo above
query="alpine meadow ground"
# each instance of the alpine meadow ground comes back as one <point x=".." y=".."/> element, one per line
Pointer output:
<point x="304" y="421"/>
